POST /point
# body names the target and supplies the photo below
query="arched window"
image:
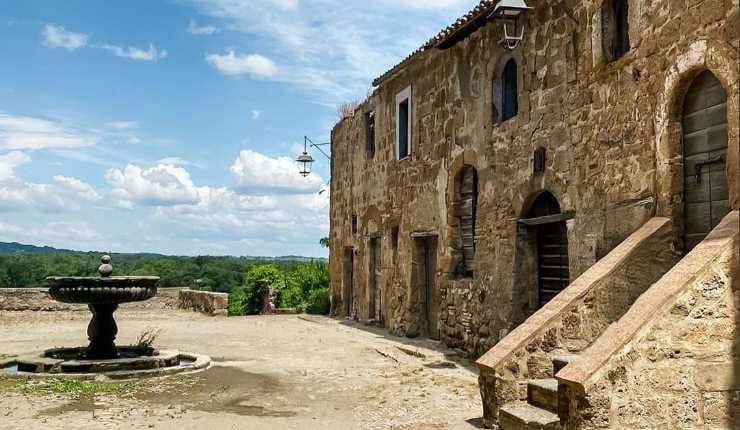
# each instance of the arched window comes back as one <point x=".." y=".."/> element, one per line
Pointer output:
<point x="615" y="28"/>
<point x="510" y="91"/>
<point x="467" y="198"/>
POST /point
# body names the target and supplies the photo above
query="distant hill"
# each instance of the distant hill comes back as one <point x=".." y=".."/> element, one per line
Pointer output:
<point x="19" y="248"/>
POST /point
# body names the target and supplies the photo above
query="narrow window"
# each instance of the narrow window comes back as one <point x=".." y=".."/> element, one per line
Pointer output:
<point x="615" y="29"/>
<point x="403" y="124"/>
<point x="354" y="224"/>
<point x="467" y="190"/>
<point x="510" y="89"/>
<point x="370" y="134"/>
<point x="540" y="158"/>
<point x="394" y="239"/>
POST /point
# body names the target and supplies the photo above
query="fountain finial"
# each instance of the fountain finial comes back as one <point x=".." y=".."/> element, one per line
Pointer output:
<point x="105" y="269"/>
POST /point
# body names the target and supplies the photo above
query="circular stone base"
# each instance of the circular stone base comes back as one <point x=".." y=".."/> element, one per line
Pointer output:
<point x="134" y="363"/>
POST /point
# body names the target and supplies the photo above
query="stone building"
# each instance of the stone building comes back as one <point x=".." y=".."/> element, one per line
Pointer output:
<point x="557" y="210"/>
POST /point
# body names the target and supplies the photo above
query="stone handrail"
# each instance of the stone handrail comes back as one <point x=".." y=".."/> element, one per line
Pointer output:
<point x="649" y="247"/>
<point x="579" y="375"/>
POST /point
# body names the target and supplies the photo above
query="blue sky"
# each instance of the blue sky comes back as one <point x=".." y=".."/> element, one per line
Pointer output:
<point x="169" y="126"/>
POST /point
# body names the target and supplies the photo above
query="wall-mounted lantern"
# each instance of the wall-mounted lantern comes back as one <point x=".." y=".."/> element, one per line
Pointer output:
<point x="305" y="160"/>
<point x="509" y="14"/>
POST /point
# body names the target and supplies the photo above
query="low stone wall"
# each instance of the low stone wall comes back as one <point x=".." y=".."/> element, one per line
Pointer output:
<point x="33" y="299"/>
<point x="204" y="302"/>
<point x="38" y="299"/>
<point x="673" y="361"/>
<point x="576" y="318"/>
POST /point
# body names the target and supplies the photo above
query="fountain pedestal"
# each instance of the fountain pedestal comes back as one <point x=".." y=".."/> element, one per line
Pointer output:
<point x="102" y="332"/>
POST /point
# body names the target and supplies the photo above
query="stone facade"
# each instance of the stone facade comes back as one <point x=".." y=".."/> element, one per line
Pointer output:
<point x="612" y="138"/>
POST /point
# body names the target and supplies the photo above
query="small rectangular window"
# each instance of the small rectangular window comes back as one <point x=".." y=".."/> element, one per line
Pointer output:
<point x="370" y="134"/>
<point x="403" y="124"/>
<point x="394" y="240"/>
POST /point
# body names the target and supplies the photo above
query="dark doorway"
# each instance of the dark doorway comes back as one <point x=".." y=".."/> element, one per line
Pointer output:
<point x="425" y="282"/>
<point x="348" y="280"/>
<point x="553" y="270"/>
<point x="376" y="304"/>
<point x="706" y="195"/>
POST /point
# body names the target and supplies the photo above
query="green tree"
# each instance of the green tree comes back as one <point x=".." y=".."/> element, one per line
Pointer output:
<point x="248" y="299"/>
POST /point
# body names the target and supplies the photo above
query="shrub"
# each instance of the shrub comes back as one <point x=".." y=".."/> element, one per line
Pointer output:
<point x="248" y="299"/>
<point x="318" y="302"/>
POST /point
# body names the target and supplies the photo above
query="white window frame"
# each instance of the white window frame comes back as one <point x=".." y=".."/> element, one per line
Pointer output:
<point x="400" y="97"/>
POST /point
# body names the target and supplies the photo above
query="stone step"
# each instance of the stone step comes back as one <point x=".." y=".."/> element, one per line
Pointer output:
<point x="523" y="416"/>
<point x="543" y="393"/>
<point x="560" y="361"/>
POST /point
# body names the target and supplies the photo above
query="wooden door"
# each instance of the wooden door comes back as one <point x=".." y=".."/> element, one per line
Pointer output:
<point x="349" y="259"/>
<point x="430" y="287"/>
<point x="552" y="260"/>
<point x="706" y="195"/>
<point x="376" y="295"/>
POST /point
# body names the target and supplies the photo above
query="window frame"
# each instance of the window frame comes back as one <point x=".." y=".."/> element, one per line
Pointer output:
<point x="370" y="134"/>
<point x="401" y="97"/>
<point x="615" y="39"/>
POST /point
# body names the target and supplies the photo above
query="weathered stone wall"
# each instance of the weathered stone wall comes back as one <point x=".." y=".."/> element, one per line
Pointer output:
<point x="203" y="301"/>
<point x="682" y="368"/>
<point x="38" y="299"/>
<point x="609" y="131"/>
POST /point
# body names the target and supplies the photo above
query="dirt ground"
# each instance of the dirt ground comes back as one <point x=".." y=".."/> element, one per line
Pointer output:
<point x="287" y="372"/>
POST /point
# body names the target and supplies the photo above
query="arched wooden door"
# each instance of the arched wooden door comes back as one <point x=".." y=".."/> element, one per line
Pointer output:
<point x="706" y="194"/>
<point x="553" y="270"/>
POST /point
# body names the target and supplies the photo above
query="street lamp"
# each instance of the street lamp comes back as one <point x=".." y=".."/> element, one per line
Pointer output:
<point x="508" y="12"/>
<point x="305" y="160"/>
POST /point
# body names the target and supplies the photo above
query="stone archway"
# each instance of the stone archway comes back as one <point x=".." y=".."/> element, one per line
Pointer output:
<point x="722" y="61"/>
<point x="542" y="257"/>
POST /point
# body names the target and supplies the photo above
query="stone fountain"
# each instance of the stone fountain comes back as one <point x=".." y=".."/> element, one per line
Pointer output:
<point x="103" y="295"/>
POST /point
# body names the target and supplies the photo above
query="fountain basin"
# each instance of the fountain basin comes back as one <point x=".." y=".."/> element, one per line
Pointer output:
<point x="71" y="364"/>
<point x="103" y="291"/>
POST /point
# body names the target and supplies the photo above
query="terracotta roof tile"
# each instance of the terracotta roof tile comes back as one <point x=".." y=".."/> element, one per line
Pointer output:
<point x="476" y="15"/>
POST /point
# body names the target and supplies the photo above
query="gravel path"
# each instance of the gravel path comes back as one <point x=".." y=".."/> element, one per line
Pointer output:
<point x="288" y="372"/>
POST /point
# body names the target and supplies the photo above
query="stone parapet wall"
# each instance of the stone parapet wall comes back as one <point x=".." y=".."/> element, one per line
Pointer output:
<point x="38" y="299"/>
<point x="577" y="317"/>
<point x="673" y="361"/>
<point x="203" y="301"/>
<point x="33" y="299"/>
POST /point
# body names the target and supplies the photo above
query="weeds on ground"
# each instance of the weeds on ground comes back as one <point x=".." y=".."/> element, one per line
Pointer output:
<point x="147" y="338"/>
<point x="67" y="388"/>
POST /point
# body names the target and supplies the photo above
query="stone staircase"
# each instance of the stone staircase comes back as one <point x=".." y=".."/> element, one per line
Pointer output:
<point x="518" y="375"/>
<point x="539" y="410"/>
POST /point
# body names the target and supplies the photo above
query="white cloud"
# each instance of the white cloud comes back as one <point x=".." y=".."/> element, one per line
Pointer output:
<point x="133" y="53"/>
<point x="205" y="30"/>
<point x="329" y="49"/>
<point x="56" y="36"/>
<point x="255" y="65"/>
<point x="28" y="133"/>
<point x="123" y="125"/>
<point x="9" y="161"/>
<point x="256" y="114"/>
<point x="17" y="195"/>
<point x="162" y="185"/>
<point x="255" y="172"/>
<point x="178" y="161"/>
<point x="75" y="185"/>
